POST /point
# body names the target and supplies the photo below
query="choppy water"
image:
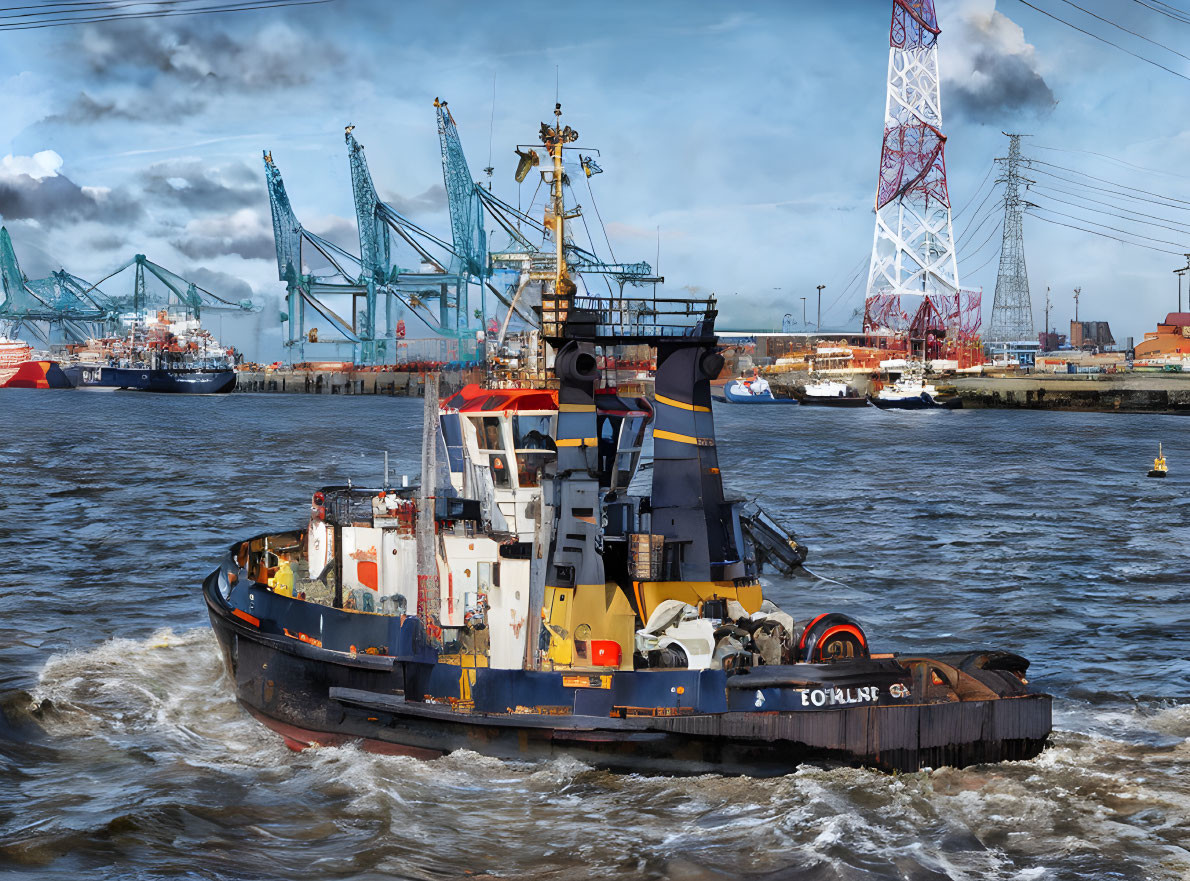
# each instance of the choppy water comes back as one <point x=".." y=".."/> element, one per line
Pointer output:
<point x="123" y="755"/>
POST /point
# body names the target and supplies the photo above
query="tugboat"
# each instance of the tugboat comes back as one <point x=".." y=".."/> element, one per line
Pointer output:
<point x="1159" y="469"/>
<point x="522" y="603"/>
<point x="755" y="390"/>
<point x="911" y="392"/>
<point x="159" y="353"/>
<point x="830" y="393"/>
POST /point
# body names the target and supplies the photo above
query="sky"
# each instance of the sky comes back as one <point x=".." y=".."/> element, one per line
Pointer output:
<point x="740" y="142"/>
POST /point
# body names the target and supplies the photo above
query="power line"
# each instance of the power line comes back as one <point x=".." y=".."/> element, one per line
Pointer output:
<point x="1104" y="180"/>
<point x="1104" y="40"/>
<point x="97" y="13"/>
<point x="1104" y="235"/>
<point x="1126" y="232"/>
<point x="990" y="213"/>
<point x="995" y="230"/>
<point x="994" y="255"/>
<point x="1116" y="160"/>
<point x="971" y="220"/>
<point x="1079" y="183"/>
<point x="1125" y="30"/>
<point x="974" y="195"/>
<point x="1040" y="191"/>
<point x="1169" y="12"/>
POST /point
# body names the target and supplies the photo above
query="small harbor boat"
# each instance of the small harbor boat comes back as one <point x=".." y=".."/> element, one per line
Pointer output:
<point x="910" y="391"/>
<point x="1160" y="468"/>
<point x="830" y="393"/>
<point x="754" y="390"/>
<point x="523" y="602"/>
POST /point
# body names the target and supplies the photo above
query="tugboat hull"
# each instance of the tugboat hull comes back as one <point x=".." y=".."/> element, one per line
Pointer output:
<point x="314" y="696"/>
<point x="924" y="402"/>
<point x="200" y="382"/>
<point x="826" y="401"/>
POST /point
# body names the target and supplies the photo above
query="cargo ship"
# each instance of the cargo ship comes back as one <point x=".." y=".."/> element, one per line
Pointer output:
<point x="159" y="352"/>
<point x="521" y="601"/>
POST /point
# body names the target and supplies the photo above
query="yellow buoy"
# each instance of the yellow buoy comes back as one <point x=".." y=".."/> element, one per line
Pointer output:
<point x="1160" y="469"/>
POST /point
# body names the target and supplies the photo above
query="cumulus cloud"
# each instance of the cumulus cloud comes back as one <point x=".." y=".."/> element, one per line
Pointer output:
<point x="246" y="233"/>
<point x="32" y="187"/>
<point x="989" y="70"/>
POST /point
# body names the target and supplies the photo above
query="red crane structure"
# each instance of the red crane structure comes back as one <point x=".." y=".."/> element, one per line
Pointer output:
<point x="914" y="302"/>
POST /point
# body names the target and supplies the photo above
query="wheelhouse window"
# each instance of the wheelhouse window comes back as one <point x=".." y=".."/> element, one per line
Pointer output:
<point x="532" y="437"/>
<point x="489" y="433"/>
<point x="452" y="435"/>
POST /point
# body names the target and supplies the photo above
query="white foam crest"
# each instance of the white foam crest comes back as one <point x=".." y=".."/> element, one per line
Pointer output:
<point x="169" y="685"/>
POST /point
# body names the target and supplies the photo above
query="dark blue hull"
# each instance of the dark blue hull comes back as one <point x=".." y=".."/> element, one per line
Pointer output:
<point x="388" y="692"/>
<point x="174" y="381"/>
<point x="925" y="402"/>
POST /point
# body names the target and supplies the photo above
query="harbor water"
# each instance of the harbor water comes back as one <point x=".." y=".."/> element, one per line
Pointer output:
<point x="124" y="755"/>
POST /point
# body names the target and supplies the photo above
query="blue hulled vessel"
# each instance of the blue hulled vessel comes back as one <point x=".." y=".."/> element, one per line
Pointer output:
<point x="522" y="602"/>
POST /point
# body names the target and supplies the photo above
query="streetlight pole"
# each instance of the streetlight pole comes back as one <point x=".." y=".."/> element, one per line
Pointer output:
<point x="1179" y="273"/>
<point x="1047" y="316"/>
<point x="803" y="311"/>
<point x="819" y="327"/>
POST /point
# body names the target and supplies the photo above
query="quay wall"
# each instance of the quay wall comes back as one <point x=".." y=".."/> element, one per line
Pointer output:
<point x="1111" y="392"/>
<point x="394" y="383"/>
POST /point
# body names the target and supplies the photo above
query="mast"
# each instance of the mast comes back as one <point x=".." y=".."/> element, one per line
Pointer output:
<point x="555" y="307"/>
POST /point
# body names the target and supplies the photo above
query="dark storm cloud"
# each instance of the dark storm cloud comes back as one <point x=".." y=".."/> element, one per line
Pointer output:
<point x="199" y="187"/>
<point x="57" y="200"/>
<point x="146" y="70"/>
<point x="1002" y="83"/>
<point x="87" y="109"/>
<point x="250" y="247"/>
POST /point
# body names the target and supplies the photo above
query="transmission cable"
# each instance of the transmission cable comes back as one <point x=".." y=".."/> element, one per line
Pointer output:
<point x="1126" y="232"/>
<point x="1169" y="12"/>
<point x="1115" y="159"/>
<point x="1104" y="40"/>
<point x="977" y="269"/>
<point x="1125" y="30"/>
<point x="992" y="212"/>
<point x="1103" y="235"/>
<point x="978" y="190"/>
<point x="973" y="217"/>
<point x="1046" y="187"/>
<point x="999" y="227"/>
<point x="1079" y="183"/>
<point x="97" y="13"/>
<point x="1184" y="228"/>
<point x="1104" y="180"/>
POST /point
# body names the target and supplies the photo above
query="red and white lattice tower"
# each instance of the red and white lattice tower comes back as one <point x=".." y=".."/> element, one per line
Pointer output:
<point x="913" y="279"/>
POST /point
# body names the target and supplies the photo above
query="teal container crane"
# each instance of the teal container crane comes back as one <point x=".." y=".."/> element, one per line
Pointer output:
<point x="444" y="270"/>
<point x="60" y="308"/>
